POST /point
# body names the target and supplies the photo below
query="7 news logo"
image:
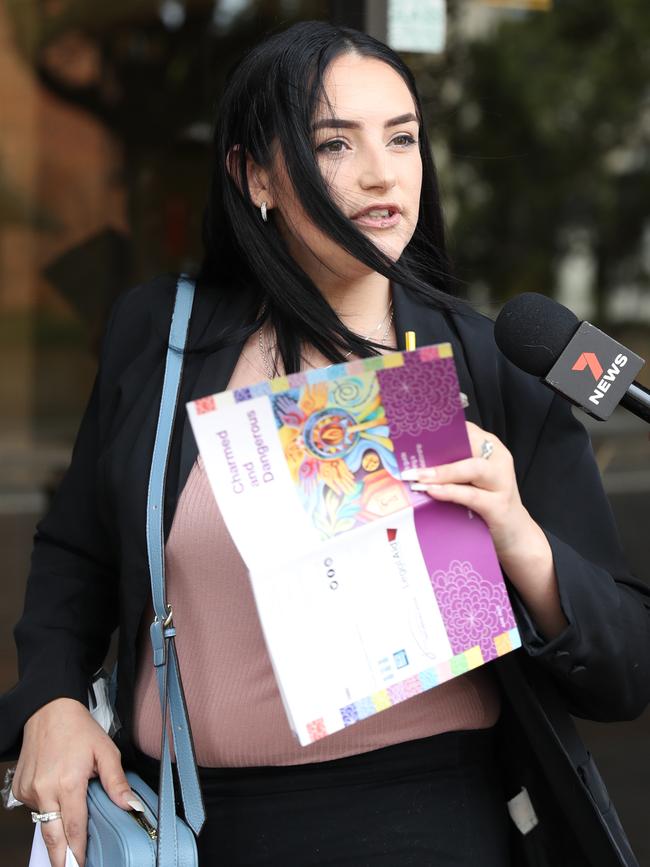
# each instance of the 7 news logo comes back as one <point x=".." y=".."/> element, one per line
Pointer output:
<point x="605" y="380"/>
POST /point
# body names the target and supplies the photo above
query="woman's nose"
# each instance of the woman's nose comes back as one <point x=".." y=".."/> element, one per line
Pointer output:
<point x="377" y="171"/>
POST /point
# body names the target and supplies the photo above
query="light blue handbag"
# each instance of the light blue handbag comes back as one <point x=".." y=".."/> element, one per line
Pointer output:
<point x="157" y="837"/>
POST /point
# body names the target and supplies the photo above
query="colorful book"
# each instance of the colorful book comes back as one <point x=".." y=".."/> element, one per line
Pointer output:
<point x="368" y="592"/>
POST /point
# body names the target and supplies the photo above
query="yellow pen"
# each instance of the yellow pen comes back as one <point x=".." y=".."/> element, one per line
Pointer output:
<point x="409" y="339"/>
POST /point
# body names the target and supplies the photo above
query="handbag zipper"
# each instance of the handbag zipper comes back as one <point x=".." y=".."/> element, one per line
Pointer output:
<point x="144" y="823"/>
<point x="142" y="820"/>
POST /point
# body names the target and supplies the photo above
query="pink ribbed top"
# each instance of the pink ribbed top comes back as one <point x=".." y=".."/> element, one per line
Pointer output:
<point x="235" y="709"/>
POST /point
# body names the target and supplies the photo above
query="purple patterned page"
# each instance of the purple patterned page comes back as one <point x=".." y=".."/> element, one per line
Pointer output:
<point x="427" y="426"/>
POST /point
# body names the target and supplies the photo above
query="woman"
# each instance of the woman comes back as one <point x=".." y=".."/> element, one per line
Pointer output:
<point x="324" y="241"/>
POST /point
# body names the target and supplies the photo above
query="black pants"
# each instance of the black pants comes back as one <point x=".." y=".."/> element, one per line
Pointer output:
<point x="435" y="801"/>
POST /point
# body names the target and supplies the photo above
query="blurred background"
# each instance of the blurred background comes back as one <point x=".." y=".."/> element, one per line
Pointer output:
<point x="539" y="113"/>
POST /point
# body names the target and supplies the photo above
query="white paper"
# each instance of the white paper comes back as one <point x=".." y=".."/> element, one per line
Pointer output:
<point x="245" y="462"/>
<point x="345" y="618"/>
<point x="39" y="856"/>
<point x="355" y="576"/>
<point x="102" y="711"/>
<point x="362" y="615"/>
<point x="522" y="812"/>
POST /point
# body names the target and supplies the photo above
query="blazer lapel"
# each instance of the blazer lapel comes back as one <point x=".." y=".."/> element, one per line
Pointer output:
<point x="476" y="335"/>
<point x="203" y="374"/>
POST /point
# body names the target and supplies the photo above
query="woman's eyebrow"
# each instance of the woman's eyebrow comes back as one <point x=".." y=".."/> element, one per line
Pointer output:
<point x="340" y="123"/>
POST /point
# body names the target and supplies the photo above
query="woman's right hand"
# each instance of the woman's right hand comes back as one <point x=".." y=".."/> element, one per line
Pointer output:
<point x="63" y="747"/>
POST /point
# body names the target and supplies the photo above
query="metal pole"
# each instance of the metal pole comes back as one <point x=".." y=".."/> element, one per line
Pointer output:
<point x="376" y="19"/>
<point x="371" y="16"/>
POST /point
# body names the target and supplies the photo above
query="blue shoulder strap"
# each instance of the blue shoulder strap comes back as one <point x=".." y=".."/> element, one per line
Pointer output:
<point x="162" y="631"/>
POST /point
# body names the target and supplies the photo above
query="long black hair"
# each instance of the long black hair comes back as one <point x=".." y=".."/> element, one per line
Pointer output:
<point x="270" y="99"/>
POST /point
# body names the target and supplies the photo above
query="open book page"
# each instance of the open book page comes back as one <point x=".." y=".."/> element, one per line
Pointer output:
<point x="368" y="592"/>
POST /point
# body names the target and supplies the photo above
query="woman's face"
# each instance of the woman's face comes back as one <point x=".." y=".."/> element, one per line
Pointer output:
<point x="366" y="145"/>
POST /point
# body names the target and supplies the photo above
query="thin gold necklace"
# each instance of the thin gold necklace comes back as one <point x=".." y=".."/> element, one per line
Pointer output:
<point x="265" y="355"/>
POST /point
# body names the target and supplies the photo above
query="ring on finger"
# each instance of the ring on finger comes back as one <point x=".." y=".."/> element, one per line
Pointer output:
<point x="46" y="817"/>
<point x="487" y="447"/>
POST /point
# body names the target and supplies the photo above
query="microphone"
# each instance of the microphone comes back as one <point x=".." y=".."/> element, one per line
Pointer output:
<point x="577" y="360"/>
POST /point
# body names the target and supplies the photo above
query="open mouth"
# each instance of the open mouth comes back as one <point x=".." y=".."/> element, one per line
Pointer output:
<point x="380" y="213"/>
<point x="379" y="217"/>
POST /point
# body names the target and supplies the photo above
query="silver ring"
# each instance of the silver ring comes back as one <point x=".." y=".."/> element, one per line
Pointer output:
<point x="46" y="817"/>
<point x="487" y="448"/>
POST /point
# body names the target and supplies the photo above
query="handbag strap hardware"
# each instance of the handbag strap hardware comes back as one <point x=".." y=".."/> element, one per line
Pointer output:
<point x="162" y="630"/>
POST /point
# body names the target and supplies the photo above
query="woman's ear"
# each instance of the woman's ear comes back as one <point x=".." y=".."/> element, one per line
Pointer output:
<point x="257" y="178"/>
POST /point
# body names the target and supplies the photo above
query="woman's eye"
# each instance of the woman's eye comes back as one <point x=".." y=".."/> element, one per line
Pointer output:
<point x="403" y="140"/>
<point x="335" y="146"/>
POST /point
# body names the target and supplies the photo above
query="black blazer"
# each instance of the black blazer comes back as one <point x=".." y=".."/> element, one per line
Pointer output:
<point x="89" y="571"/>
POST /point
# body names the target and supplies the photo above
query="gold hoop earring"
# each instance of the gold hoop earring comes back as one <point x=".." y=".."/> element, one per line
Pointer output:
<point x="264" y="213"/>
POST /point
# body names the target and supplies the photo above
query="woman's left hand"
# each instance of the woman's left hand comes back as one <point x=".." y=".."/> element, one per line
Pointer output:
<point x="486" y="484"/>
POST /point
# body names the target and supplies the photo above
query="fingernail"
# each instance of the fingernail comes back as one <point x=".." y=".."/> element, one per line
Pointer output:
<point x="416" y="486"/>
<point x="135" y="805"/>
<point x="411" y="475"/>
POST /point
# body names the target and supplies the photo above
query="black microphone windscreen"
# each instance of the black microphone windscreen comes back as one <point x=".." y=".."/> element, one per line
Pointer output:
<point x="532" y="331"/>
